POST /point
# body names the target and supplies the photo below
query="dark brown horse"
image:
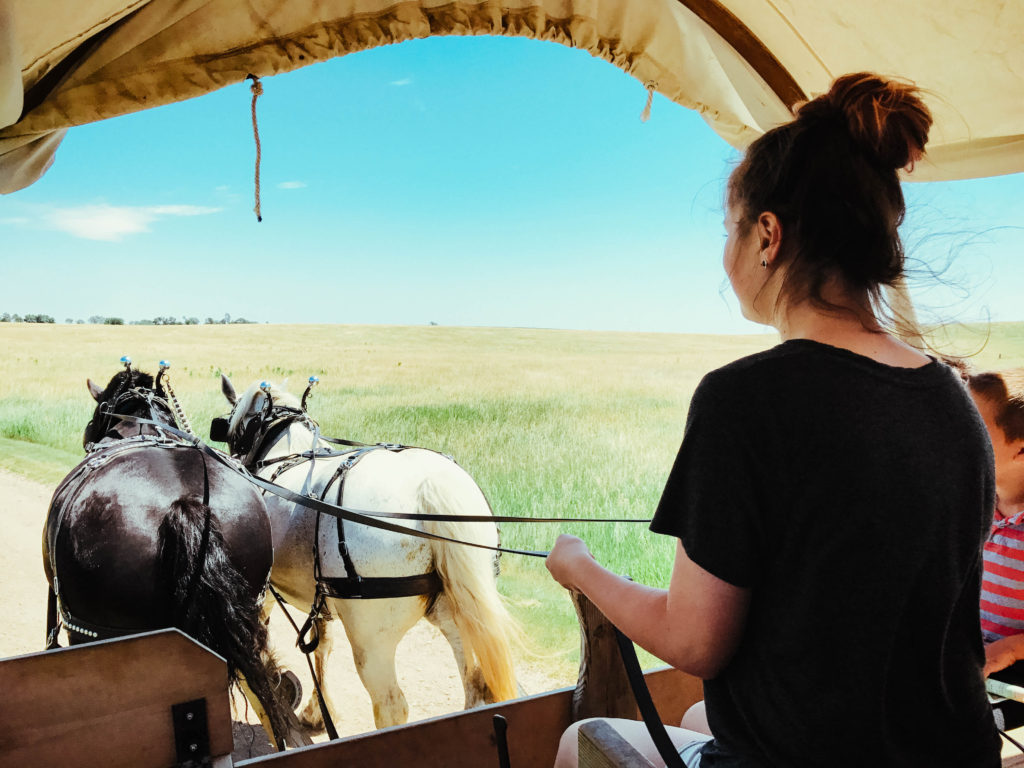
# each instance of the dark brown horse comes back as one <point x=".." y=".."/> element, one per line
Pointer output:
<point x="150" y="531"/>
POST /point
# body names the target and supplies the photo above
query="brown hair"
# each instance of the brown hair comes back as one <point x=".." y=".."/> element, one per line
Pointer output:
<point x="1005" y="391"/>
<point x="830" y="176"/>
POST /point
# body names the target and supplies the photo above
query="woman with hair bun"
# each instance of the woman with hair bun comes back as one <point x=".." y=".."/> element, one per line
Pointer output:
<point x="831" y="494"/>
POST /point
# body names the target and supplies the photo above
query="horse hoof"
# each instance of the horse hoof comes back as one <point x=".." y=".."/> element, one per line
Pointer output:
<point x="314" y="724"/>
<point x="290" y="689"/>
<point x="311" y="718"/>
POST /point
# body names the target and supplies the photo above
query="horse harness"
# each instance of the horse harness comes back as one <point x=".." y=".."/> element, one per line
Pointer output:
<point x="351" y="586"/>
<point x="67" y="492"/>
<point x="109" y="445"/>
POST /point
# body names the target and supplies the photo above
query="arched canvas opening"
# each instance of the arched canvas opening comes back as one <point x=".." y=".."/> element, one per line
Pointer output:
<point x="740" y="63"/>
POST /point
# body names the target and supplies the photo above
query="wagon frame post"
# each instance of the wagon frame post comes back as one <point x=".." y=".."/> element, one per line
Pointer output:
<point x="602" y="689"/>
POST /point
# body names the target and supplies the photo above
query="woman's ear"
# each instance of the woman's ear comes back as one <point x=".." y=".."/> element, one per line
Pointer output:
<point x="769" y="235"/>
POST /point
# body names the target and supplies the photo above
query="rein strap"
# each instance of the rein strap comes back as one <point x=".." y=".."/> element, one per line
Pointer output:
<point x="373" y="519"/>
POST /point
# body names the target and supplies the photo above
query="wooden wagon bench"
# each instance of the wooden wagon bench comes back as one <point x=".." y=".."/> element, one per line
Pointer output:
<point x="160" y="699"/>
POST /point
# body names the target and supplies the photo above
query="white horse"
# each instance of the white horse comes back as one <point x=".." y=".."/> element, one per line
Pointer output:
<point x="468" y="610"/>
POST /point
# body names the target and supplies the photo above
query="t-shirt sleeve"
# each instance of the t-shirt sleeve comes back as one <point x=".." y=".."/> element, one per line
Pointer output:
<point x="710" y="501"/>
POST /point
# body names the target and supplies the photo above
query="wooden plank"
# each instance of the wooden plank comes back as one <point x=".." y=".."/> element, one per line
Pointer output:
<point x="108" y="704"/>
<point x="601" y="746"/>
<point x="466" y="740"/>
<point x="602" y="689"/>
<point x="460" y="740"/>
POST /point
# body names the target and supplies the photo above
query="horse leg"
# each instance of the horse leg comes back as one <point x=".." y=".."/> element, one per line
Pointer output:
<point x="294" y="737"/>
<point x="311" y="716"/>
<point x="374" y="629"/>
<point x="476" y="690"/>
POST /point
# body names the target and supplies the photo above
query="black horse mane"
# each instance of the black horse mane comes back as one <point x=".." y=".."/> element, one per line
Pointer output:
<point x="121" y="382"/>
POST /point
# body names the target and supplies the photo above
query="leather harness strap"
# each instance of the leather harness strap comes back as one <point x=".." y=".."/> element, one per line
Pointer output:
<point x="656" y="728"/>
<point x="375" y="519"/>
<point x="349" y="584"/>
<point x="65" y="495"/>
<point x="349" y="588"/>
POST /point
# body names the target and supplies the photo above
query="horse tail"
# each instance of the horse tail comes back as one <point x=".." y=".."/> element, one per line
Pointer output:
<point x="487" y="629"/>
<point x="213" y="603"/>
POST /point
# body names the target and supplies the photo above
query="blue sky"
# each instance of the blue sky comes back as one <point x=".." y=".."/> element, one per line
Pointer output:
<point x="479" y="181"/>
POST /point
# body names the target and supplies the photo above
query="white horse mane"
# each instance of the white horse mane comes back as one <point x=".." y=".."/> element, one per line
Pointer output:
<point x="247" y="404"/>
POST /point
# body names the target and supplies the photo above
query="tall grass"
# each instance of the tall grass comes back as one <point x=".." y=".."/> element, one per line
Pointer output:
<point x="549" y="423"/>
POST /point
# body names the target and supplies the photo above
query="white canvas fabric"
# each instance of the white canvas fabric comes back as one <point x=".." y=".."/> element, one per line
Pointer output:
<point x="66" y="62"/>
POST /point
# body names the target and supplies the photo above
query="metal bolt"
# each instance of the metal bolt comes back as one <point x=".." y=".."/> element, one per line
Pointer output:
<point x="193" y="747"/>
<point x="189" y="716"/>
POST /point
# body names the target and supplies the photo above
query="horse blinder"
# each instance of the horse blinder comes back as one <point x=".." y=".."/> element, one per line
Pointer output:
<point x="243" y="445"/>
<point x="219" y="430"/>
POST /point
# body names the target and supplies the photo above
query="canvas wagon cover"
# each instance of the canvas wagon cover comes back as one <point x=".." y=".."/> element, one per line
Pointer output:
<point x="740" y="63"/>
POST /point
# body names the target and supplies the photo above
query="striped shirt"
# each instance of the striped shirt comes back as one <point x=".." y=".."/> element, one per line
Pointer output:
<point x="1002" y="588"/>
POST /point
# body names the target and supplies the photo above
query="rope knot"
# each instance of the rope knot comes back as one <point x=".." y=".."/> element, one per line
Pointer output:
<point x="646" y="114"/>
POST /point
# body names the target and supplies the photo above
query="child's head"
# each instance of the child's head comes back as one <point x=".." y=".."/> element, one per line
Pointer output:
<point x="999" y="396"/>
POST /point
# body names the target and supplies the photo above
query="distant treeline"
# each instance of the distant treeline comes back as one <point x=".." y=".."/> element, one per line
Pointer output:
<point x="7" y="317"/>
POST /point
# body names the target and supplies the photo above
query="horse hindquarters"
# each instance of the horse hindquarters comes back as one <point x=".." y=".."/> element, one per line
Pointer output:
<point x="214" y="603"/>
<point x="485" y="626"/>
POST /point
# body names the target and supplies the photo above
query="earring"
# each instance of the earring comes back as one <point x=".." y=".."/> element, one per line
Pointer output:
<point x="764" y="263"/>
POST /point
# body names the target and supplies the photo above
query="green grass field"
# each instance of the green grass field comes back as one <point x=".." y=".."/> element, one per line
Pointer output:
<point x="549" y="423"/>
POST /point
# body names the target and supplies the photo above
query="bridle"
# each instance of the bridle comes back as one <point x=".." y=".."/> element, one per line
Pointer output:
<point x="114" y="410"/>
<point x="263" y="428"/>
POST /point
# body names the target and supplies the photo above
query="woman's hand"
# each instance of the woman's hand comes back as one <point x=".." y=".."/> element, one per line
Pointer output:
<point x="565" y="558"/>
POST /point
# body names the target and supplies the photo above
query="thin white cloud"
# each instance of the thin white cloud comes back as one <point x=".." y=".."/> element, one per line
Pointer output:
<point x="114" y="222"/>
<point x="180" y="210"/>
<point x="291" y="185"/>
<point x="403" y="81"/>
<point x="14" y="220"/>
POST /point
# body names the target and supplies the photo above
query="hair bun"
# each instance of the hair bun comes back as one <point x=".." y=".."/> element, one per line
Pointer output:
<point x="886" y="118"/>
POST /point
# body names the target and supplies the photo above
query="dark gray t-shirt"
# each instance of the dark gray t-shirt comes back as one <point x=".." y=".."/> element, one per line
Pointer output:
<point x="852" y="499"/>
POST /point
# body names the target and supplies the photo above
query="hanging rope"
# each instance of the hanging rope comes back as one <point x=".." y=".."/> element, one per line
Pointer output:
<point x="646" y="114"/>
<point x="257" y="91"/>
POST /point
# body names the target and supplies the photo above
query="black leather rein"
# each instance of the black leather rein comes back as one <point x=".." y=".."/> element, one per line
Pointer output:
<point x="373" y="519"/>
<point x="379" y="519"/>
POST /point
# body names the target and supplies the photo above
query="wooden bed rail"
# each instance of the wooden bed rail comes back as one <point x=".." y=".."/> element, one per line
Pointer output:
<point x="109" y="704"/>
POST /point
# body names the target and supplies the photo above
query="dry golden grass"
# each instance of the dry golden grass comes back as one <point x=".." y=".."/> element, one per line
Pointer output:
<point x="581" y="424"/>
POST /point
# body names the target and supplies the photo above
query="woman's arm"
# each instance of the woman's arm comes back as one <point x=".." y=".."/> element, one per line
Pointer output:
<point x="695" y="625"/>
